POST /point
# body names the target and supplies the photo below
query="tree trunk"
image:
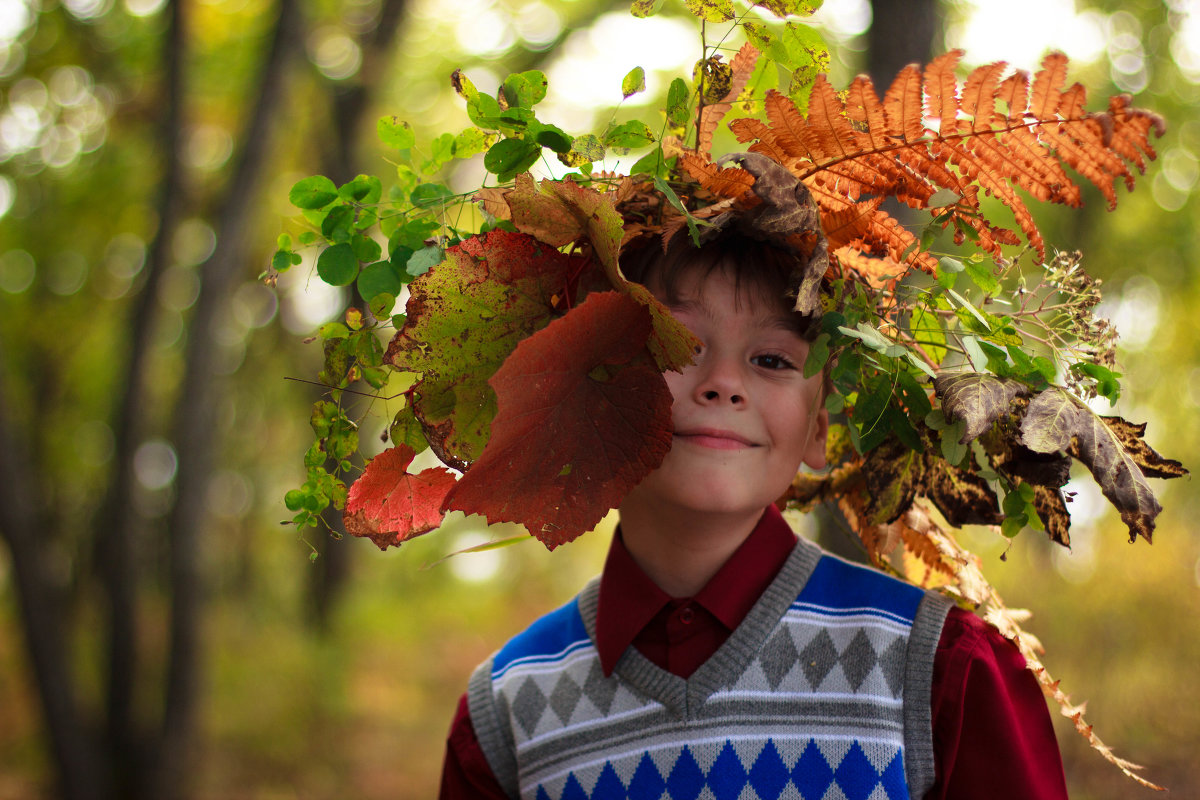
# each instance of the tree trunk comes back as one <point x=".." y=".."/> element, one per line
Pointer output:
<point x="72" y="746"/>
<point x="902" y="32"/>
<point x="114" y="533"/>
<point x="196" y="423"/>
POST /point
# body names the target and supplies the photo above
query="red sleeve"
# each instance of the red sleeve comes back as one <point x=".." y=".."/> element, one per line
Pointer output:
<point x="466" y="774"/>
<point x="992" y="735"/>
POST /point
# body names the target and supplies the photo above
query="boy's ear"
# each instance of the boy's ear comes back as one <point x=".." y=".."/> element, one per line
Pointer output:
<point x="814" y="455"/>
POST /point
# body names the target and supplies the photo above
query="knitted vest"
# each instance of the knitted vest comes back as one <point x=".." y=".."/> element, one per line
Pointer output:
<point x="823" y="691"/>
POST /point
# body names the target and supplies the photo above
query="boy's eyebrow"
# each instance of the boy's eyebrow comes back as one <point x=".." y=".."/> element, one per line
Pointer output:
<point x="788" y="322"/>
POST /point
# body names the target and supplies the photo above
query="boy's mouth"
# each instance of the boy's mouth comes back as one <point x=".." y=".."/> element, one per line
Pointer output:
<point x="715" y="438"/>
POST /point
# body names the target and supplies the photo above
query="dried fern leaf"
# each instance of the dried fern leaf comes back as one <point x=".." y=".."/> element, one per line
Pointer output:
<point x="902" y="105"/>
<point x="970" y="584"/>
<point x="941" y="89"/>
<point x="710" y="116"/>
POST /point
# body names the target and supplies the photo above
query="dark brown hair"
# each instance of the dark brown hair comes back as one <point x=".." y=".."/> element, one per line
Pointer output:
<point x="755" y="265"/>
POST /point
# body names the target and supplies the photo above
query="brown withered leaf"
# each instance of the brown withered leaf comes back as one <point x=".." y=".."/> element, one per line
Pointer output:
<point x="1146" y="457"/>
<point x="963" y="497"/>
<point x="977" y="398"/>
<point x="1051" y="507"/>
<point x="786" y="213"/>
<point x="895" y="476"/>
<point x="1057" y="422"/>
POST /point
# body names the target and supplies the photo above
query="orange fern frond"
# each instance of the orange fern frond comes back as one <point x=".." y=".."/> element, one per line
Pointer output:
<point x="710" y="116"/>
<point x="1000" y="134"/>
<point x="730" y="182"/>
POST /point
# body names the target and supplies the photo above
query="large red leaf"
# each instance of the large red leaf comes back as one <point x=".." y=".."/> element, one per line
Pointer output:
<point x="584" y="415"/>
<point x="388" y="505"/>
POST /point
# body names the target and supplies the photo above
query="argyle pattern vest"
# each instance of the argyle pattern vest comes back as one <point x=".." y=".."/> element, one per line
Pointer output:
<point x="822" y="693"/>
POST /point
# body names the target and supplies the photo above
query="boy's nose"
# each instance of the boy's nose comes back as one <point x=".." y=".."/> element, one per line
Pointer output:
<point x="719" y="382"/>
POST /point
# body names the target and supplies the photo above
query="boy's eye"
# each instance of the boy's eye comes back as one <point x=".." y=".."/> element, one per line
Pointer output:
<point x="772" y="361"/>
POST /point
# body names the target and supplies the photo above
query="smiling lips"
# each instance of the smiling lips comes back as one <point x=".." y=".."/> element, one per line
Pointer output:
<point x="715" y="438"/>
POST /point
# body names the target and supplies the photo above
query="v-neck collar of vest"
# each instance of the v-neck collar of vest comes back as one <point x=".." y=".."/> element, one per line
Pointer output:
<point x="684" y="697"/>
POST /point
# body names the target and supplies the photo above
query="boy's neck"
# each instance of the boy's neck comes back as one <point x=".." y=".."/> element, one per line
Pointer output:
<point x="681" y="552"/>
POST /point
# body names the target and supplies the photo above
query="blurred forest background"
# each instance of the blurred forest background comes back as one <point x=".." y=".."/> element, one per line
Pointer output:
<point x="162" y="635"/>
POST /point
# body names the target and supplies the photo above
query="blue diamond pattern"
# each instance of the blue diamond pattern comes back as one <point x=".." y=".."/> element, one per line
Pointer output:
<point x="573" y="790"/>
<point x="727" y="777"/>
<point x="812" y="773"/>
<point x="686" y="780"/>
<point x="855" y="775"/>
<point x="541" y="794"/>
<point x="647" y="782"/>
<point x="893" y="778"/>
<point x="769" y="775"/>
<point x="609" y="785"/>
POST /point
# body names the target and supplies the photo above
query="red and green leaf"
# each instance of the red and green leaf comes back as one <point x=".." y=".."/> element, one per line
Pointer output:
<point x="465" y="316"/>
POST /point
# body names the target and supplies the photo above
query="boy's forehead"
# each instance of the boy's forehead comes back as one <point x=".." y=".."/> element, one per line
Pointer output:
<point x="707" y="292"/>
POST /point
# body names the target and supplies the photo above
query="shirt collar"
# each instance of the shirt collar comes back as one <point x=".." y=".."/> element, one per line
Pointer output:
<point x="629" y="599"/>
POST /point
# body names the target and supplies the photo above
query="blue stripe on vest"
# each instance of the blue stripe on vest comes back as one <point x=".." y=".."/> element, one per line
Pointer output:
<point x="838" y="587"/>
<point x="549" y="639"/>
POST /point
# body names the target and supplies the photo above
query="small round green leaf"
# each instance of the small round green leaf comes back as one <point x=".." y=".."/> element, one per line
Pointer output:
<point x="510" y="156"/>
<point x="634" y="82"/>
<point x="313" y="193"/>
<point x="337" y="265"/>
<point x="378" y="279"/>
<point x="395" y="132"/>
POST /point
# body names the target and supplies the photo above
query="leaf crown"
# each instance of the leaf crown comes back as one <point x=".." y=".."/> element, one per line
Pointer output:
<point x="960" y="382"/>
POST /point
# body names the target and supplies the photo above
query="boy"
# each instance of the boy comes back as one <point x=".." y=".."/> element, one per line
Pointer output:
<point x="717" y="656"/>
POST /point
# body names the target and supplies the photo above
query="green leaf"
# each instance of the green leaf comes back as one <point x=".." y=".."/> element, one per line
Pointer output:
<point x="380" y="278"/>
<point x="797" y="48"/>
<point x="441" y="151"/>
<point x="585" y="149"/>
<point x="330" y="330"/>
<point x="550" y="136"/>
<point x="646" y="8"/>
<point x="711" y="10"/>
<point x="982" y="276"/>
<point x="430" y="195"/>
<point x="338" y="224"/>
<point x="943" y="197"/>
<point x="679" y="110"/>
<point x="672" y="198"/>
<point x="413" y="234"/>
<point x="406" y="179"/>
<point x="953" y="448"/>
<point x="927" y="331"/>
<point x="395" y="132"/>
<point x="654" y="164"/>
<point x="365" y="189"/>
<point x="629" y="135"/>
<point x="633" y="82"/>
<point x="471" y="142"/>
<point x="787" y="8"/>
<point x="365" y="248"/>
<point x="337" y="265"/>
<point x="1107" y="385"/>
<point x="508" y="157"/>
<point x="818" y="355"/>
<point x="525" y="89"/>
<point x="313" y="193"/>
<point x="423" y="260"/>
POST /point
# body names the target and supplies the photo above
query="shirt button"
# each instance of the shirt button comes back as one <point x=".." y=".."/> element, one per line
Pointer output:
<point x="686" y="615"/>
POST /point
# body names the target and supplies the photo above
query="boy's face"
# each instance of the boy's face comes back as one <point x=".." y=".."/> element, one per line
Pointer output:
<point x="745" y="416"/>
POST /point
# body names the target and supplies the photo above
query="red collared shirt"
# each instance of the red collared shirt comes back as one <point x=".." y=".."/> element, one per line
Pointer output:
<point x="992" y="735"/>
